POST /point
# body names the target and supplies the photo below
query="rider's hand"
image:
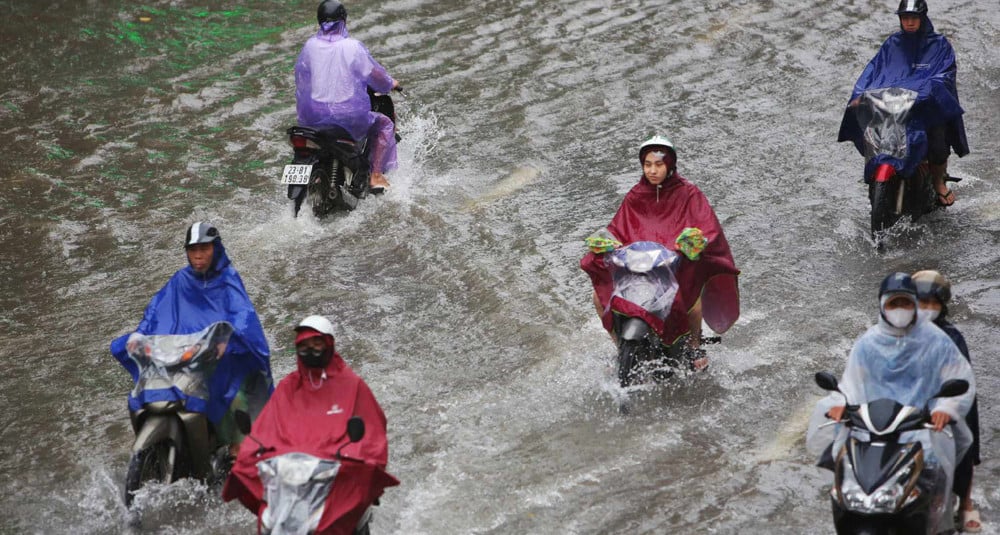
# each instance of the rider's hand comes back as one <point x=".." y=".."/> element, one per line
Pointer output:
<point x="836" y="413"/>
<point x="854" y="103"/>
<point x="396" y="86"/>
<point x="939" y="420"/>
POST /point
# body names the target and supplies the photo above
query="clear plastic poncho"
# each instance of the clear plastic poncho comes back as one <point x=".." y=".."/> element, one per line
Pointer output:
<point x="332" y="76"/>
<point x="908" y="366"/>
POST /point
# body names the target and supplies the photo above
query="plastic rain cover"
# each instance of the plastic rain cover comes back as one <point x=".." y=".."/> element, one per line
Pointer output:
<point x="883" y="114"/>
<point x="643" y="274"/>
<point x="176" y="367"/>
<point x="295" y="488"/>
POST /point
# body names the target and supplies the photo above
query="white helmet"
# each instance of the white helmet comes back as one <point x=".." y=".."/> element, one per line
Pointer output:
<point x="658" y="141"/>
<point x="316" y="323"/>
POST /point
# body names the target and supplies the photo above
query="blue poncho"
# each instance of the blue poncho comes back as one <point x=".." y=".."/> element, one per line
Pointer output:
<point x="923" y="61"/>
<point x="188" y="303"/>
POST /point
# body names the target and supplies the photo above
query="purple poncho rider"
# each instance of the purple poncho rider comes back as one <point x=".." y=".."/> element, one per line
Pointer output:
<point x="332" y="77"/>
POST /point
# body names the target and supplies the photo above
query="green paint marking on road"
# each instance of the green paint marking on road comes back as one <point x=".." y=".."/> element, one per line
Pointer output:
<point x="56" y="152"/>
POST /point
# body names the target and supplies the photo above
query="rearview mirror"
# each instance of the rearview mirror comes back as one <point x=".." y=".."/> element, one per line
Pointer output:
<point x="242" y="422"/>
<point x="827" y="381"/>
<point x="952" y="388"/>
<point x="355" y="428"/>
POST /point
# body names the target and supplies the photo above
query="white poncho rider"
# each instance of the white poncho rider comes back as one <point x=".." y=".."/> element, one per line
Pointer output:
<point x="906" y="360"/>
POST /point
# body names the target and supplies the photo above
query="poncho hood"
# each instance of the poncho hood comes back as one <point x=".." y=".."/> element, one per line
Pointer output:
<point x="660" y="214"/>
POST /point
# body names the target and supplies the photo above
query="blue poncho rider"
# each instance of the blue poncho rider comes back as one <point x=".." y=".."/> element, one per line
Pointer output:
<point x="332" y="77"/>
<point x="207" y="291"/>
<point x="911" y="57"/>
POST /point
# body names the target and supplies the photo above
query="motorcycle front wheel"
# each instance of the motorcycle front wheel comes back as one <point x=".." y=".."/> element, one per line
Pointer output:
<point x="883" y="200"/>
<point x="628" y="356"/>
<point x="157" y="462"/>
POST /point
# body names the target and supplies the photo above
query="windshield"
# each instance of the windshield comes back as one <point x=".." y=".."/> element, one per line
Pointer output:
<point x="883" y="114"/>
<point x="178" y="361"/>
<point x="643" y="274"/>
<point x="295" y="489"/>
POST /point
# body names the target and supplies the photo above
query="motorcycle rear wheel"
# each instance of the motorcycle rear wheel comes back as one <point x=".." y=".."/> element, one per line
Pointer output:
<point x="319" y="190"/>
<point x="157" y="462"/>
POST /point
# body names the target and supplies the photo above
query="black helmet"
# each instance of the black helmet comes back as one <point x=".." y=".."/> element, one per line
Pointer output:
<point x="201" y="232"/>
<point x="898" y="283"/>
<point x="930" y="283"/>
<point x="918" y="7"/>
<point x="330" y="11"/>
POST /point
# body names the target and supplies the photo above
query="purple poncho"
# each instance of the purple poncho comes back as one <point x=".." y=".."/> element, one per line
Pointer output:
<point x="332" y="77"/>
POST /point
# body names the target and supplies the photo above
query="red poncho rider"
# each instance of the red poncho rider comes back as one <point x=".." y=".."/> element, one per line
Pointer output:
<point x="664" y="207"/>
<point x="308" y="413"/>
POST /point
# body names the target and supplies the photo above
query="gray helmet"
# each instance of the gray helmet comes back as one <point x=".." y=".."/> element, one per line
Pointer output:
<point x="330" y="11"/>
<point x="201" y="232"/>
<point x="917" y="7"/>
<point x="930" y="283"/>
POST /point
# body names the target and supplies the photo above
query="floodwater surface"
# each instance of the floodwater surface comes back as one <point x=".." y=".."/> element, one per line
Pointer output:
<point x="457" y="295"/>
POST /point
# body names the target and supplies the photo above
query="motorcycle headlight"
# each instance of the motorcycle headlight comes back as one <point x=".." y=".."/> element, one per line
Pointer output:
<point x="884" y="499"/>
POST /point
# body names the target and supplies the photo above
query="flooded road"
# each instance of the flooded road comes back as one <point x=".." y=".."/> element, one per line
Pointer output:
<point x="457" y="295"/>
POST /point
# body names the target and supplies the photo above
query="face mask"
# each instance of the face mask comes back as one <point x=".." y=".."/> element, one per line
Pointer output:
<point x="927" y="314"/>
<point x="312" y="358"/>
<point x="899" y="318"/>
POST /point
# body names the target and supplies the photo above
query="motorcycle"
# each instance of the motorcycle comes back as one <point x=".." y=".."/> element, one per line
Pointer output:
<point x="884" y="480"/>
<point x="899" y="182"/>
<point x="643" y="302"/>
<point x="330" y="167"/>
<point x="172" y="439"/>
<point x="303" y="494"/>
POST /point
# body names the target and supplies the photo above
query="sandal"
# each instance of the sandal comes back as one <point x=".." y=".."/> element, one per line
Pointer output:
<point x="942" y="198"/>
<point x="694" y="355"/>
<point x="971" y="523"/>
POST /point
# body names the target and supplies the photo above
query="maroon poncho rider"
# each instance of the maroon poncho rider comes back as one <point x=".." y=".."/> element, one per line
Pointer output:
<point x="660" y="208"/>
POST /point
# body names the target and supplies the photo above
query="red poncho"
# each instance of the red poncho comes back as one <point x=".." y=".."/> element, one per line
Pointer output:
<point x="660" y="214"/>
<point x="299" y="418"/>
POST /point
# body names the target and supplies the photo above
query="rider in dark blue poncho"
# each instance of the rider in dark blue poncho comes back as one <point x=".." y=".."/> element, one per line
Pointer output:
<point x="922" y="60"/>
<point x="934" y="294"/>
<point x="207" y="291"/>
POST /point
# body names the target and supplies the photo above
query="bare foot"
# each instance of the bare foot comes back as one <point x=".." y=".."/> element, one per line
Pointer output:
<point x="378" y="181"/>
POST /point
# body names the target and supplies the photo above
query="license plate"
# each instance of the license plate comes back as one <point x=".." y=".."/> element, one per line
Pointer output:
<point x="296" y="174"/>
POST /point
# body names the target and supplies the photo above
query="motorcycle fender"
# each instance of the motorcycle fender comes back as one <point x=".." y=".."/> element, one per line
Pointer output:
<point x="634" y="329"/>
<point x="295" y="190"/>
<point x="309" y="158"/>
<point x="156" y="428"/>
<point x="884" y="173"/>
<point x="199" y="443"/>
